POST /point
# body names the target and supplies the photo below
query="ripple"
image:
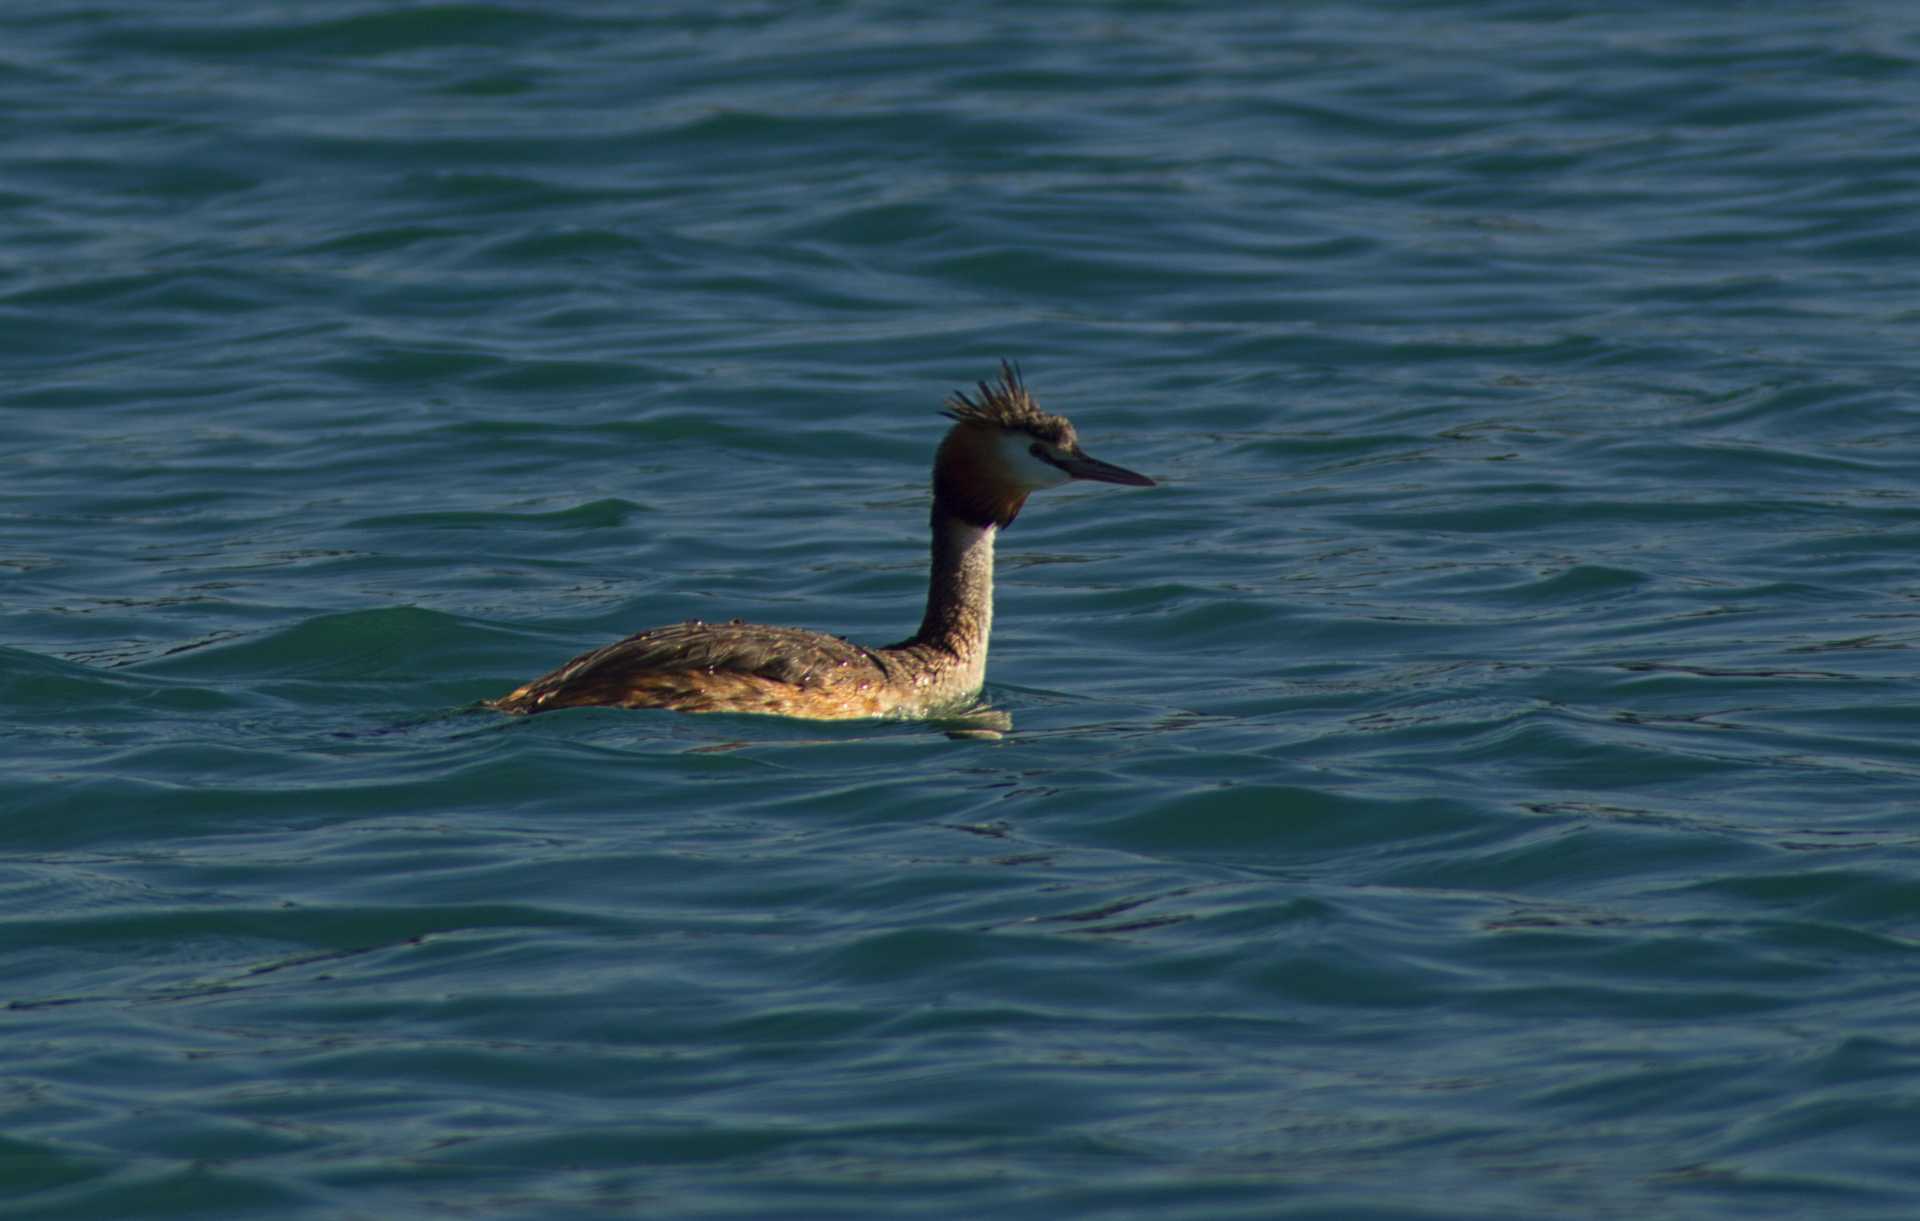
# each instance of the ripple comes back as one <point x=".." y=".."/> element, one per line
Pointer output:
<point x="1489" y="753"/>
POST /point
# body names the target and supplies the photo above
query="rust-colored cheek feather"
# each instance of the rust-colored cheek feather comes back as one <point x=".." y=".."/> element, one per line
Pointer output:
<point x="968" y="480"/>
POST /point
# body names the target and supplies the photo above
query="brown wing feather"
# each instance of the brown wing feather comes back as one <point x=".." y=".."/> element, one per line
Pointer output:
<point x="695" y="666"/>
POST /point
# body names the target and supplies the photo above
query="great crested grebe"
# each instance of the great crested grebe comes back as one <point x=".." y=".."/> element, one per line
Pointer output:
<point x="1002" y="448"/>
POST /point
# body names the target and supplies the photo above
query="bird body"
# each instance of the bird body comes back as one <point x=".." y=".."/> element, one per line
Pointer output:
<point x="1001" y="448"/>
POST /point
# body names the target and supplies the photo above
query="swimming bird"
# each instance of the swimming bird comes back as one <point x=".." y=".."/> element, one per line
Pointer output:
<point x="1001" y="448"/>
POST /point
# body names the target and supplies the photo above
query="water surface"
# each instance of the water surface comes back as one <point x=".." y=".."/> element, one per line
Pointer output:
<point x="1478" y="783"/>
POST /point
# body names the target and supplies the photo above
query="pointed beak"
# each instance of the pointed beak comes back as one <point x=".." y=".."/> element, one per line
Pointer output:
<point x="1081" y="466"/>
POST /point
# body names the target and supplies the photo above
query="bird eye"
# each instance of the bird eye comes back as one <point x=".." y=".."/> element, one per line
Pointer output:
<point x="1038" y="450"/>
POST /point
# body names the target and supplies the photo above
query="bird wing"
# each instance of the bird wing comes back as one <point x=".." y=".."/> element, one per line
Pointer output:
<point x="793" y="657"/>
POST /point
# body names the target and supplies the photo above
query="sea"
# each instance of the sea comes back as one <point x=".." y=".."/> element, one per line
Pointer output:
<point x="1480" y="782"/>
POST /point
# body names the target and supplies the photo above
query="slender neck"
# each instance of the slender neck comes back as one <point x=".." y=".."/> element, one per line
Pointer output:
<point x="959" y="588"/>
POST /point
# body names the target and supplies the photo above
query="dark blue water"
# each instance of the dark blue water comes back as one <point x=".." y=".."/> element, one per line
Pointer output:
<point x="1482" y="781"/>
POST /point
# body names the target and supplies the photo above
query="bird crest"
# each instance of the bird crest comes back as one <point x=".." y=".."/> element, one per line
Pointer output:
<point x="1006" y="404"/>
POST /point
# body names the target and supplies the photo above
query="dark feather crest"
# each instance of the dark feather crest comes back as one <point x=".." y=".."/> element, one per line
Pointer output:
<point x="1006" y="404"/>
